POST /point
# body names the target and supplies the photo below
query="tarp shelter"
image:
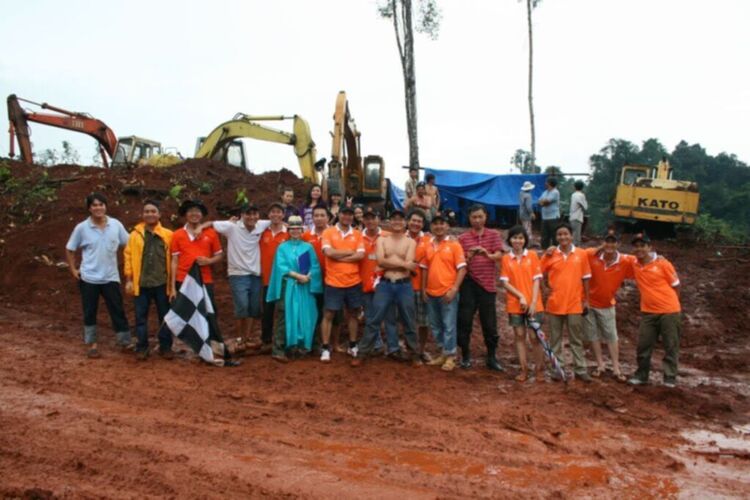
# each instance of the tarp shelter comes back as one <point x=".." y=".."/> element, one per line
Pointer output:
<point x="499" y="193"/>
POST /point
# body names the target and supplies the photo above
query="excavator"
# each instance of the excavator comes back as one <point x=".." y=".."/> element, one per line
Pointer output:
<point x="224" y="144"/>
<point x="126" y="150"/>
<point x="348" y="174"/>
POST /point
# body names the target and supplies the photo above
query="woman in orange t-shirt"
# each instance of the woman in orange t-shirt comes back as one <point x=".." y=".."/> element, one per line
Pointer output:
<point x="521" y="275"/>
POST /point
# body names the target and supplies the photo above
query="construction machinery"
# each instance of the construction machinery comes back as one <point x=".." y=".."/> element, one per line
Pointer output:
<point x="224" y="144"/>
<point x="126" y="150"/>
<point x="648" y="195"/>
<point x="348" y="174"/>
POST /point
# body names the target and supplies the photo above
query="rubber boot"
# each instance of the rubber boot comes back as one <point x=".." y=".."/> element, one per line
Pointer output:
<point x="492" y="362"/>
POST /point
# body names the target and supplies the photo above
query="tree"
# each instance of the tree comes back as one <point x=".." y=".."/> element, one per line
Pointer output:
<point x="69" y="154"/>
<point x="524" y="162"/>
<point x="428" y="22"/>
<point x="530" y="6"/>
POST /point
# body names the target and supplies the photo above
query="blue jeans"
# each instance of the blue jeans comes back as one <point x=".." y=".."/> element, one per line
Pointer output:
<point x="443" y="322"/>
<point x="387" y="295"/>
<point x="157" y="294"/>
<point x="391" y="334"/>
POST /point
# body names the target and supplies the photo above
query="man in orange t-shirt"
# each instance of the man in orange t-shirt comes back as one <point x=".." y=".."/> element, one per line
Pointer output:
<point x="343" y="248"/>
<point x="568" y="273"/>
<point x="415" y="225"/>
<point x="442" y="280"/>
<point x="275" y="235"/>
<point x="659" y="285"/>
<point x="609" y="268"/>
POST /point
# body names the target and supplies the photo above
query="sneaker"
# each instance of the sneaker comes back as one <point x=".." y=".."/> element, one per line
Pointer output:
<point x="670" y="382"/>
<point x="437" y="361"/>
<point x="425" y="357"/>
<point x="398" y="356"/>
<point x="465" y="363"/>
<point x="449" y="365"/>
<point x="325" y="356"/>
<point x="352" y="351"/>
<point x="636" y="381"/>
<point x="494" y="365"/>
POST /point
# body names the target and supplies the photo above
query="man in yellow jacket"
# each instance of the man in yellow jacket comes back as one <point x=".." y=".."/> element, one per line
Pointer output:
<point x="147" y="269"/>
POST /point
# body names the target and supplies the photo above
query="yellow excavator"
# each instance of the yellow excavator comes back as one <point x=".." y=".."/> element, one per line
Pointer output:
<point x="224" y="144"/>
<point x="348" y="173"/>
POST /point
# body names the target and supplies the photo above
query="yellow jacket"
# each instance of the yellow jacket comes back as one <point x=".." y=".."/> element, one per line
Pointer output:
<point x="134" y="254"/>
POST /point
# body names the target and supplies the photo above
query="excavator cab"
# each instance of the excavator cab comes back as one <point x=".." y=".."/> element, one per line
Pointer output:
<point x="133" y="150"/>
<point x="232" y="152"/>
<point x="374" y="173"/>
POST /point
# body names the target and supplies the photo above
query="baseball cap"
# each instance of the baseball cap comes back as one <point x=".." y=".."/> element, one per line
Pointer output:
<point x="640" y="237"/>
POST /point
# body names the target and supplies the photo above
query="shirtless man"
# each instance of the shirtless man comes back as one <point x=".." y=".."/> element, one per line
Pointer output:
<point x="432" y="191"/>
<point x="395" y="255"/>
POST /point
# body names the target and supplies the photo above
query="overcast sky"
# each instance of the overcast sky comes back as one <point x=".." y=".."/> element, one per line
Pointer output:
<point x="173" y="70"/>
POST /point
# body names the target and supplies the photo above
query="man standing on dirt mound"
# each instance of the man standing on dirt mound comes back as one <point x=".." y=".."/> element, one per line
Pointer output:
<point x="658" y="285"/>
<point x="275" y="235"/>
<point x="146" y="268"/>
<point x="568" y="273"/>
<point x="483" y="249"/>
<point x="99" y="237"/>
<point x="192" y="244"/>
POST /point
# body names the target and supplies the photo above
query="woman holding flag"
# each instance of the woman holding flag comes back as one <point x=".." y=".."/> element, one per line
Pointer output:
<point x="295" y="277"/>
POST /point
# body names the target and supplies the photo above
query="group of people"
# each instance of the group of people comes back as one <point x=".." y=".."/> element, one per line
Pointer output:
<point x="306" y="273"/>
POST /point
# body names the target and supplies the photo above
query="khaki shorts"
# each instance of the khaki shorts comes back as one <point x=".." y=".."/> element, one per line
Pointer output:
<point x="600" y="324"/>
<point x="520" y="319"/>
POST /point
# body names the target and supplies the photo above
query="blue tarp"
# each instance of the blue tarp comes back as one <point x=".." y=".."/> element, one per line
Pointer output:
<point x="499" y="193"/>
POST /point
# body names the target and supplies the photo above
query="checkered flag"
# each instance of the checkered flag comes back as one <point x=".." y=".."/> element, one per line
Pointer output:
<point x="191" y="319"/>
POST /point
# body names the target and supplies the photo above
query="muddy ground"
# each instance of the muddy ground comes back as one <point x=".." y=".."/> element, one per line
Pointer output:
<point x="115" y="427"/>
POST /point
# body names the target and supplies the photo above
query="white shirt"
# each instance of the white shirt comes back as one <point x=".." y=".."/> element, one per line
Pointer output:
<point x="243" y="246"/>
<point x="577" y="206"/>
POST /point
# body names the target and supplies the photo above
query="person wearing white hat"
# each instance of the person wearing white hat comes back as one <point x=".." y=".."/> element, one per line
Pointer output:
<point x="526" y="207"/>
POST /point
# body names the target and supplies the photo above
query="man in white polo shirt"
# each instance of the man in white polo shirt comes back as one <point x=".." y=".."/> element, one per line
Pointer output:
<point x="243" y="267"/>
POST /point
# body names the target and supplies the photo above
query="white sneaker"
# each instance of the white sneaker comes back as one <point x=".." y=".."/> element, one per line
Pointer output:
<point x="352" y="351"/>
<point x="325" y="356"/>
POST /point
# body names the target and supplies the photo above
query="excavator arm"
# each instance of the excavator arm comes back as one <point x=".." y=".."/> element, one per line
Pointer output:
<point x="78" y="122"/>
<point x="245" y="126"/>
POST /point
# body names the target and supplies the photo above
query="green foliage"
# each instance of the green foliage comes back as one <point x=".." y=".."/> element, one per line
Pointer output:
<point x="174" y="192"/>
<point x="708" y="229"/>
<point x="723" y="180"/>
<point x="241" y="197"/>
<point x="524" y="161"/>
<point x="69" y="154"/>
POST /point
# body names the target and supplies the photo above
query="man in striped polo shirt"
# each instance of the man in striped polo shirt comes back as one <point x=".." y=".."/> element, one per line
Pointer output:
<point x="483" y="249"/>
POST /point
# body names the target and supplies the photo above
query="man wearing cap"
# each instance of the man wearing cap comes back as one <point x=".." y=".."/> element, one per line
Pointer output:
<point x="659" y="286"/>
<point x="99" y="237"/>
<point x="483" y="249"/>
<point x="411" y="183"/>
<point x="568" y="274"/>
<point x="147" y="263"/>
<point x="446" y="268"/>
<point x="243" y="267"/>
<point x="415" y="224"/>
<point x="370" y="273"/>
<point x="550" y="203"/>
<point x="395" y="255"/>
<point x="343" y="249"/>
<point x="609" y="268"/>
<point x="191" y="244"/>
<point x="274" y="235"/>
<point x="526" y="207"/>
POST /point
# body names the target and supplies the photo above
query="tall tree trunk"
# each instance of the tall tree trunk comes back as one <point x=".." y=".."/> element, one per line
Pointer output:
<point x="531" y="80"/>
<point x="405" y="41"/>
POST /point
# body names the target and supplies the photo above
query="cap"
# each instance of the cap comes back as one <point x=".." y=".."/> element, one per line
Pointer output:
<point x="397" y="213"/>
<point x="642" y="237"/>
<point x="295" y="221"/>
<point x="421" y="184"/>
<point x="345" y="209"/>
<point x="249" y="207"/>
<point x="188" y="204"/>
<point x="611" y="235"/>
<point x="371" y="212"/>
<point x="276" y="204"/>
<point x="438" y="217"/>
<point x="527" y="186"/>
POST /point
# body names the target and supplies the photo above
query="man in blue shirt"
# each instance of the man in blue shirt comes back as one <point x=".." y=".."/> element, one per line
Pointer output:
<point x="99" y="237"/>
<point x="550" y="203"/>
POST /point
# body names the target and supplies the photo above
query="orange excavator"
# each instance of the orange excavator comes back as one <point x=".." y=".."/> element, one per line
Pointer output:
<point x="125" y="150"/>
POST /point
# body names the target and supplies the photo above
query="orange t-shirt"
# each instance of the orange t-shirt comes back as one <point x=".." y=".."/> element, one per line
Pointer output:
<point x="316" y="240"/>
<point x="444" y="260"/>
<point x="420" y="256"/>
<point x="521" y="274"/>
<point x="656" y="281"/>
<point x="269" y="242"/>
<point x="565" y="277"/>
<point x="606" y="279"/>
<point x="187" y="249"/>
<point x="342" y="274"/>
<point x="370" y="262"/>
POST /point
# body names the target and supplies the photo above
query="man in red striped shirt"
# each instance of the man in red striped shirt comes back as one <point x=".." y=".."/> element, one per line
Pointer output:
<point x="483" y="249"/>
